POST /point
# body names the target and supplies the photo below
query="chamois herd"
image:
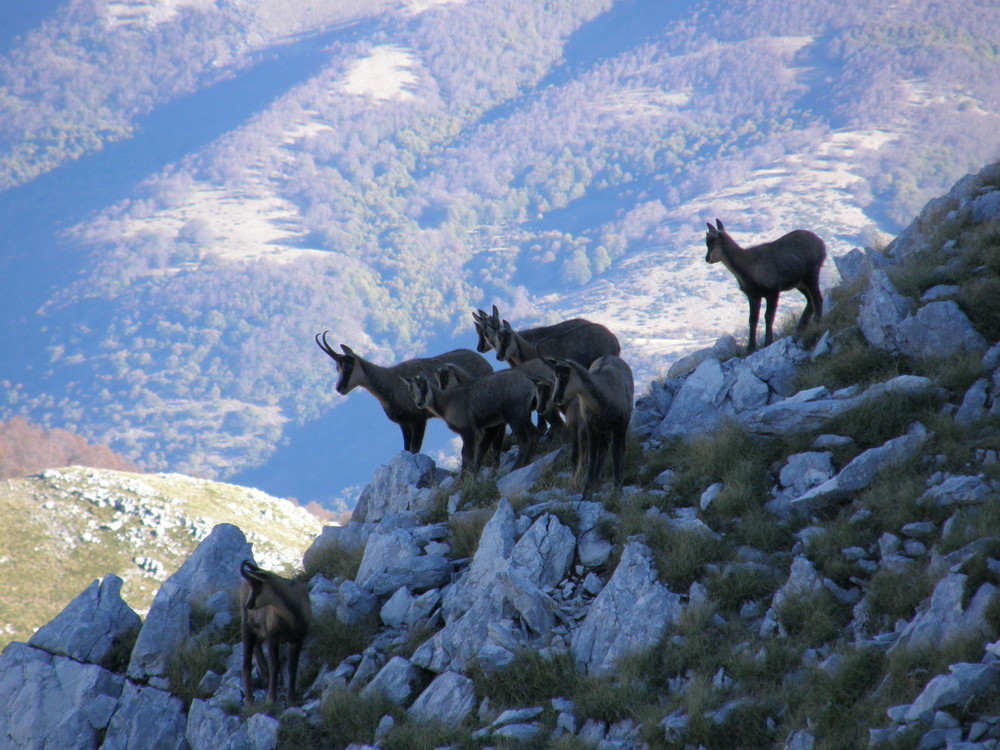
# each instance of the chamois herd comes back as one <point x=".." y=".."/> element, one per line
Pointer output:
<point x="570" y="375"/>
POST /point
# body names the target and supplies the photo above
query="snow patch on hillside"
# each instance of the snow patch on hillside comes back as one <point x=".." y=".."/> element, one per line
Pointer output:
<point x="665" y="301"/>
<point x="386" y="73"/>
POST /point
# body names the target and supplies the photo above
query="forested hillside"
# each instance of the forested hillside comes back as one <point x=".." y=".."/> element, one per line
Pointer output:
<point x="381" y="169"/>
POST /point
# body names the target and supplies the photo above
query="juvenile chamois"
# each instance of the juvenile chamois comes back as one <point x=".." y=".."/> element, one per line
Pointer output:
<point x="273" y="610"/>
<point x="475" y="410"/>
<point x="576" y="339"/>
<point x="388" y="388"/>
<point x="538" y="371"/>
<point x="599" y="400"/>
<point x="764" y="271"/>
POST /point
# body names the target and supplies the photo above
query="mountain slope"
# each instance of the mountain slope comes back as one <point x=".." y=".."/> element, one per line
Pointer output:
<point x="557" y="158"/>
<point x="64" y="527"/>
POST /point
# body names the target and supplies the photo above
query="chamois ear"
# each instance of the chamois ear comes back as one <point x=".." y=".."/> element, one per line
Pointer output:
<point x="506" y="326"/>
<point x="348" y="351"/>
<point x="496" y="313"/>
<point x="251" y="573"/>
<point x="718" y="223"/>
<point x="442" y="375"/>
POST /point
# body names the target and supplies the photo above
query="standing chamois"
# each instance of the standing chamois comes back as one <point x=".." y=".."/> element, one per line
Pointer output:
<point x="388" y="388"/>
<point x="576" y="339"/>
<point x="764" y="271"/>
<point x="273" y="610"/>
<point x="476" y="410"/>
<point x="599" y="400"/>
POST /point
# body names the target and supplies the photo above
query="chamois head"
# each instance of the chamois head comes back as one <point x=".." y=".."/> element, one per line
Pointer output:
<point x="420" y="389"/>
<point x="346" y="364"/>
<point x="713" y="240"/>
<point x="487" y="326"/>
<point x="564" y="369"/>
<point x="505" y="344"/>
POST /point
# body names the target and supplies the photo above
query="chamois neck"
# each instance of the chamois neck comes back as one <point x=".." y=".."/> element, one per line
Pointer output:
<point x="734" y="257"/>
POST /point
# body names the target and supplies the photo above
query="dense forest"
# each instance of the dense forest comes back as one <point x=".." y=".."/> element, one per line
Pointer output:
<point x="517" y="151"/>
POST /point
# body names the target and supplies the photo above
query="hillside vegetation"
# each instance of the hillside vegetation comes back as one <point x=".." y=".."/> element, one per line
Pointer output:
<point x="64" y="527"/>
<point x="426" y="158"/>
<point x="808" y="561"/>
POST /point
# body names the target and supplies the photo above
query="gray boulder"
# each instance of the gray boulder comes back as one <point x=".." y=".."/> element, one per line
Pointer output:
<point x="395" y="681"/>
<point x="881" y="312"/>
<point x="405" y="485"/>
<point x="973" y="406"/>
<point x="212" y="567"/>
<point x="957" y="490"/>
<point x="700" y="405"/>
<point x="631" y="612"/>
<point x="211" y="728"/>
<point x="52" y="702"/>
<point x="937" y="330"/>
<point x="448" y="699"/>
<point x="520" y="481"/>
<point x="393" y="560"/>
<point x="962" y="683"/>
<point x="945" y="618"/>
<point x="495" y="545"/>
<point x="723" y="349"/>
<point x="545" y="552"/>
<point x="89" y="626"/>
<point x="861" y="471"/>
<point x="147" y="717"/>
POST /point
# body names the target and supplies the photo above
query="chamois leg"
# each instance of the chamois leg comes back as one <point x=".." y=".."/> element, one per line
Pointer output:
<point x="250" y="647"/>
<point x="772" y="308"/>
<point x="526" y="436"/>
<point x="754" y="317"/>
<point x="469" y="464"/>
<point x="618" y="456"/>
<point x="597" y="453"/>
<point x="273" y="656"/>
<point x="294" y="649"/>
<point x="413" y="434"/>
<point x="490" y="442"/>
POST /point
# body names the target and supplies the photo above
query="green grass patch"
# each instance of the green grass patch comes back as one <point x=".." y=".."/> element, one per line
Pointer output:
<point x="812" y="619"/>
<point x="854" y="363"/>
<point x="331" y="641"/>
<point x="335" y="561"/>
<point x="465" y="529"/>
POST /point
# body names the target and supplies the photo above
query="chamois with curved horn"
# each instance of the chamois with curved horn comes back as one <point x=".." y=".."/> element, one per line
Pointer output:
<point x="475" y="409"/>
<point x="274" y="610"/>
<point x="576" y="339"/>
<point x="792" y="261"/>
<point x="388" y="388"/>
<point x="600" y="401"/>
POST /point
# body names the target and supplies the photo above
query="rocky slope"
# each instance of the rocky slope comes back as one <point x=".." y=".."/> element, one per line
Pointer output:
<point x="805" y="556"/>
<point x="63" y="524"/>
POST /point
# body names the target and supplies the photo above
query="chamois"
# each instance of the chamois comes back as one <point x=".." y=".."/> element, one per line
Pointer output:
<point x="764" y="271"/>
<point x="273" y="610"/>
<point x="600" y="402"/>
<point x="536" y="370"/>
<point x="386" y="385"/>
<point x="576" y="339"/>
<point x="474" y="410"/>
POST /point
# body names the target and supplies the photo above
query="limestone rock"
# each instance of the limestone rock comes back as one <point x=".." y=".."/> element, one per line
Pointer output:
<point x="962" y="683"/>
<point x="87" y="629"/>
<point x="395" y="681"/>
<point x="699" y="405"/>
<point x="630" y="613"/>
<point x="49" y="701"/>
<point x="448" y="699"/>
<point x="213" y="566"/>
<point x="861" y="471"/>
<point x="404" y="485"/>
<point x="393" y="560"/>
<point x="147" y="717"/>
<point x="945" y="618"/>
<point x="520" y="481"/>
